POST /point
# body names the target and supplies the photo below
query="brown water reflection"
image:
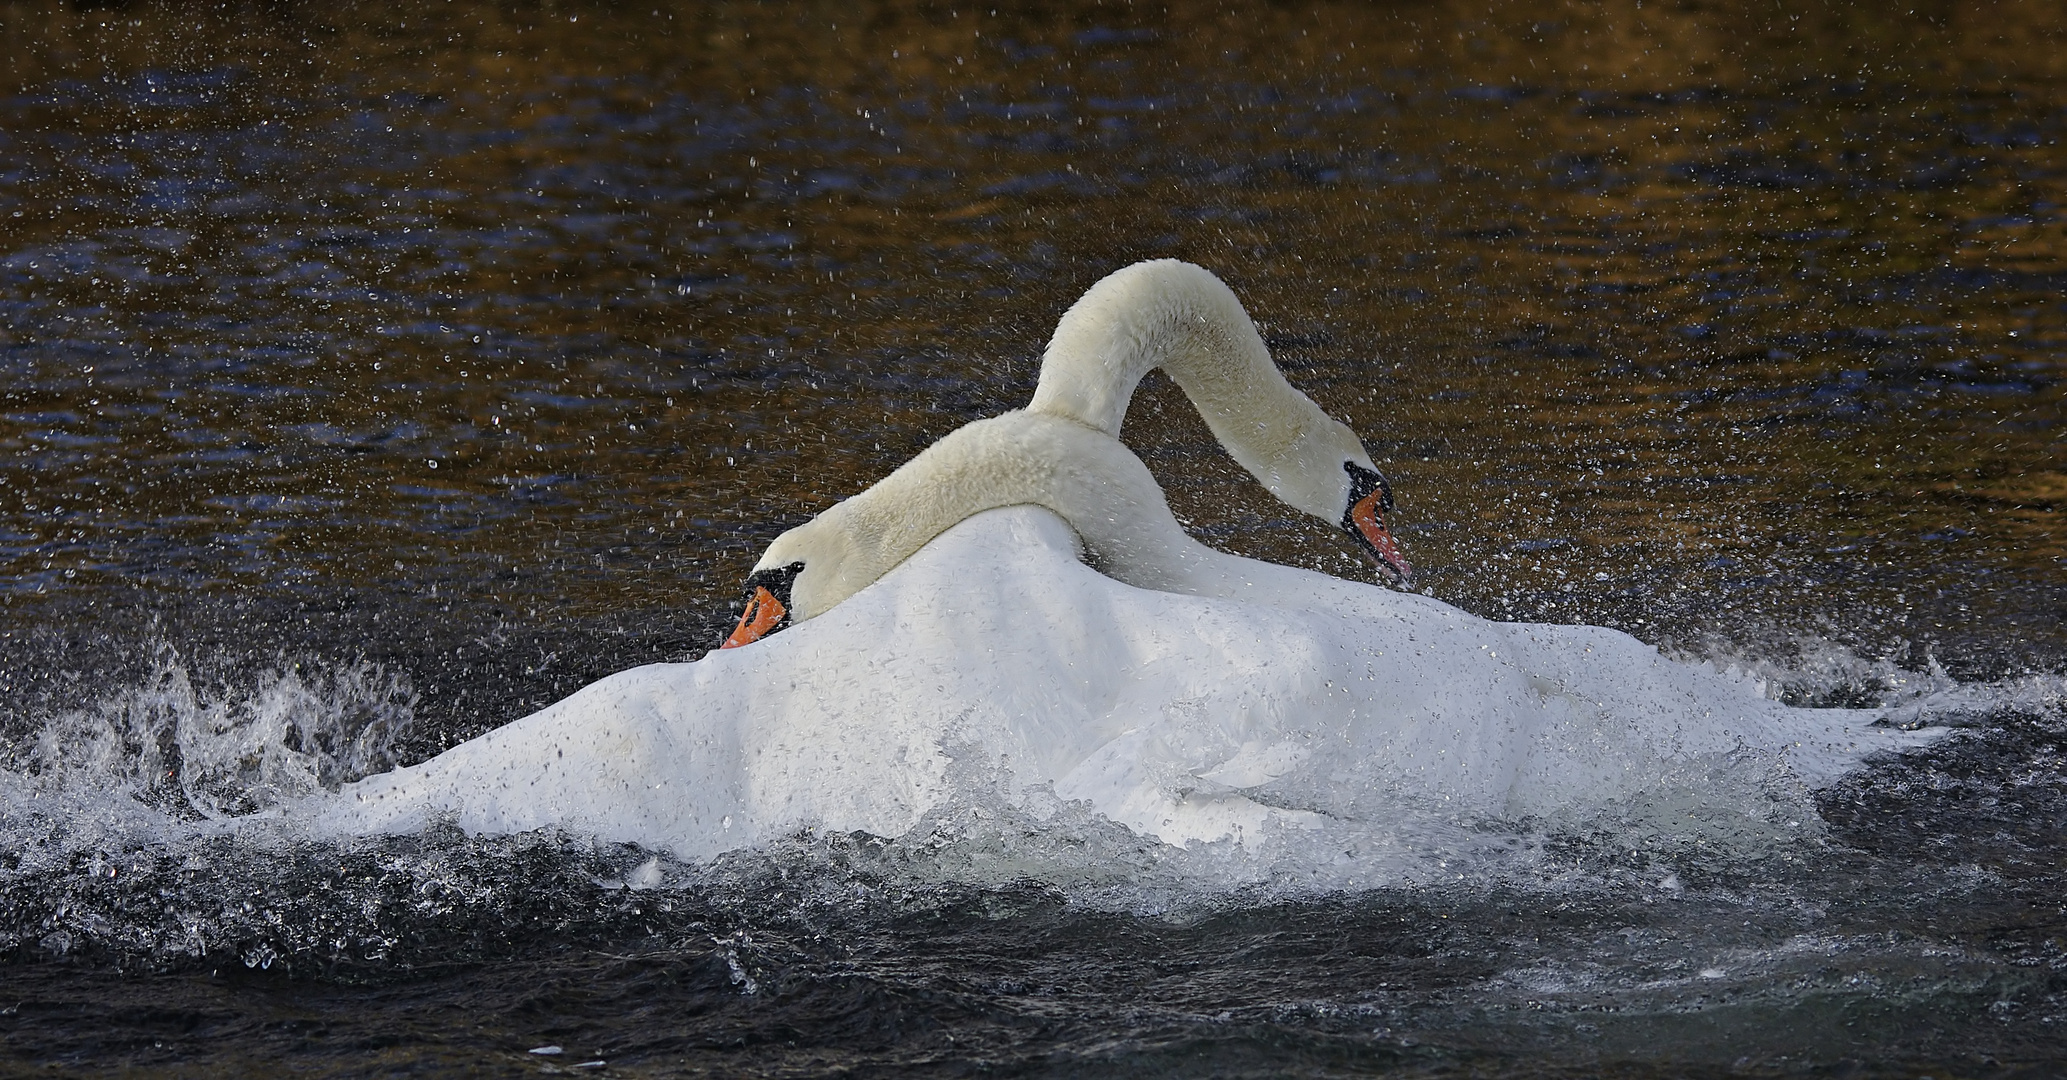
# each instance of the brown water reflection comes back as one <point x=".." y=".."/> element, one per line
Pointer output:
<point x="443" y="327"/>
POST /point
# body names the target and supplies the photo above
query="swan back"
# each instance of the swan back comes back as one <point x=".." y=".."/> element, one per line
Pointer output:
<point x="1179" y="317"/>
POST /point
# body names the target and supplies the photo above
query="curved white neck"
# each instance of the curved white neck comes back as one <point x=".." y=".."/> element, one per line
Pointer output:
<point x="1180" y="318"/>
<point x="1021" y="458"/>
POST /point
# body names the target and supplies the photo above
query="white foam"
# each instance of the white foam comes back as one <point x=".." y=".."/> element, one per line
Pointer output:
<point x="1338" y="708"/>
<point x="216" y="753"/>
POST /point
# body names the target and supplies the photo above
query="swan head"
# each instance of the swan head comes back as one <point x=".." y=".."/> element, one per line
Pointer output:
<point x="1324" y="470"/>
<point x="805" y="572"/>
<point x="770" y="599"/>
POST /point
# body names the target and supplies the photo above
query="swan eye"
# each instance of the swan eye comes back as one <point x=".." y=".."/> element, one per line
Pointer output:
<point x="767" y="605"/>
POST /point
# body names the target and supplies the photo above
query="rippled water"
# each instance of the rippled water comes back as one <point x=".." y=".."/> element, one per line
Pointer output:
<point x="371" y="378"/>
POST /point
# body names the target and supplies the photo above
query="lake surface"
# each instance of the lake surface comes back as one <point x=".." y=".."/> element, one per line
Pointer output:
<point x="371" y="378"/>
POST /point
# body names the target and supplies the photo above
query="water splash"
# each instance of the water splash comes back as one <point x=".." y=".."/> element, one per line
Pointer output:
<point x="191" y="751"/>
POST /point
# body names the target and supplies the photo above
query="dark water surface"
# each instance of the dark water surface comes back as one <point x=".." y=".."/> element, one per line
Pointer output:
<point x="383" y="374"/>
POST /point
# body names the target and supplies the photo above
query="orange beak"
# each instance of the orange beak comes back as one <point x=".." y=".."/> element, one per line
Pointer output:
<point x="1367" y="518"/>
<point x="767" y="605"/>
<point x="1370" y="498"/>
<point x="763" y="615"/>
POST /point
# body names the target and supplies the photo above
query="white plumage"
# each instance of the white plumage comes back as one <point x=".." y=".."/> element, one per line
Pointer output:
<point x="944" y="616"/>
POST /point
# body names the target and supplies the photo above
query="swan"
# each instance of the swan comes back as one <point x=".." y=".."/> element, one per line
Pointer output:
<point x="947" y="641"/>
<point x="1161" y="313"/>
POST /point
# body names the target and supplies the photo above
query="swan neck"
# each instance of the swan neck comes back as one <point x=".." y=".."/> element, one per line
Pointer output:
<point x="1021" y="458"/>
<point x="1180" y="318"/>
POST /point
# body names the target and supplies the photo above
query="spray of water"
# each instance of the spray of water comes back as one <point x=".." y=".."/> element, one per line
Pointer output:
<point x="160" y="824"/>
<point x="189" y="751"/>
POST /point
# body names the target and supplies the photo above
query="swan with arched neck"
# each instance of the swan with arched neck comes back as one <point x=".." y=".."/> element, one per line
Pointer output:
<point x="946" y="622"/>
<point x="1159" y="314"/>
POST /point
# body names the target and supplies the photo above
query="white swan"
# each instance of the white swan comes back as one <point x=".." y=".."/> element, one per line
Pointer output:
<point x="1198" y="697"/>
<point x="1163" y="313"/>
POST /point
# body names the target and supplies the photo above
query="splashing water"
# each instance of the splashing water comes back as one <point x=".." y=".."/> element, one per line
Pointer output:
<point x="163" y="825"/>
<point x="165" y="744"/>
